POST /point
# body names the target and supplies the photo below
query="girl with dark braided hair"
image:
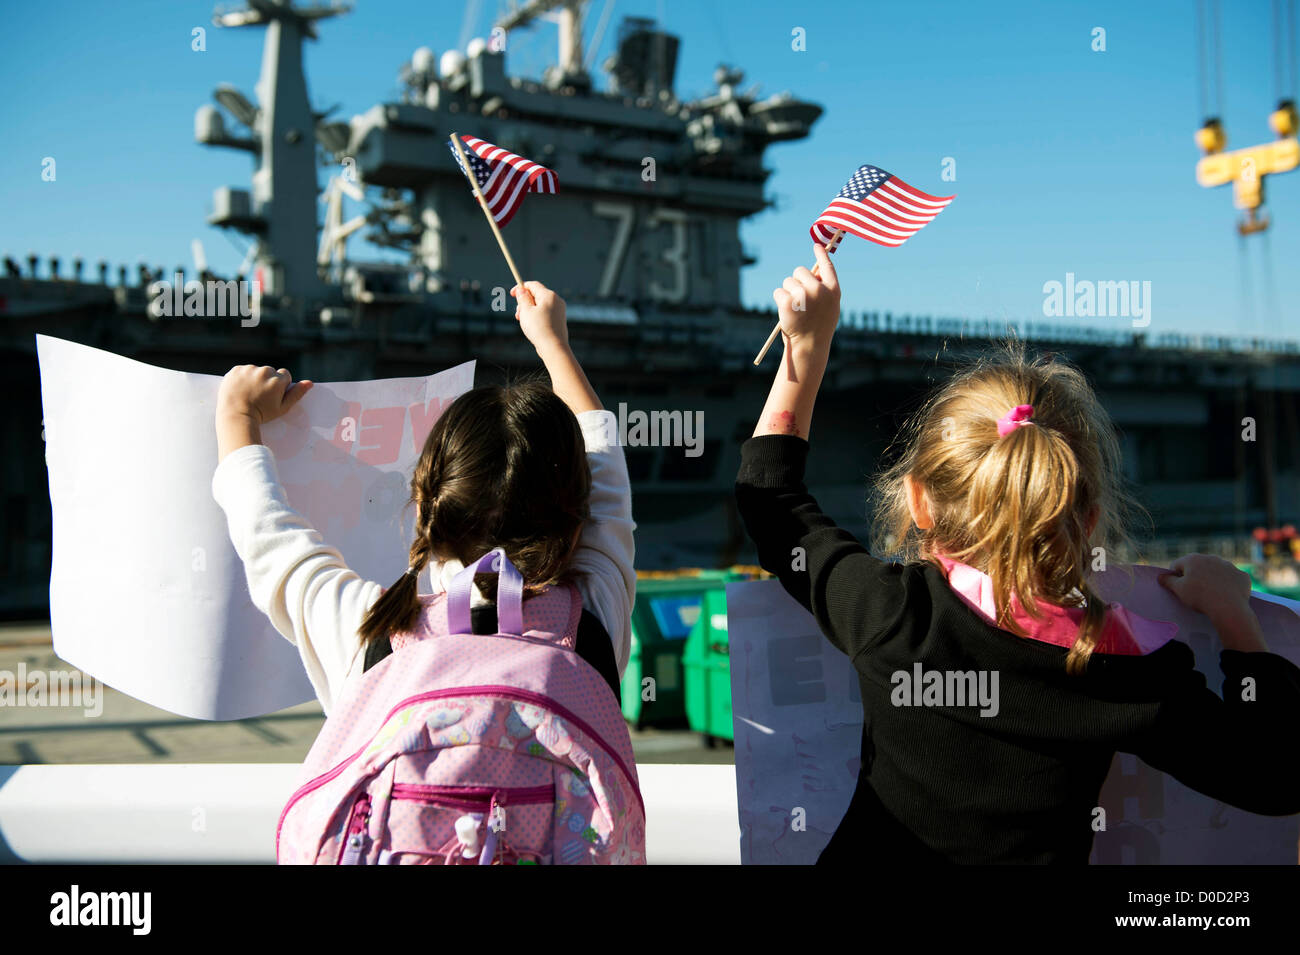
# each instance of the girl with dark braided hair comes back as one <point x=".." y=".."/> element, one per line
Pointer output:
<point x="532" y="469"/>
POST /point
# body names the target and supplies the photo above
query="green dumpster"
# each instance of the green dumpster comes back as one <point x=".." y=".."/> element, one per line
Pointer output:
<point x="665" y="611"/>
<point x="708" y="671"/>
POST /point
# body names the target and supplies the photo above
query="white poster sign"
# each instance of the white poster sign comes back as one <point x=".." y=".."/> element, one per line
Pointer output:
<point x="146" y="591"/>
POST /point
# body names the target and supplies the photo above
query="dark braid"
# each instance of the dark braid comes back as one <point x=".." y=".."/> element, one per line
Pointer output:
<point x="503" y="467"/>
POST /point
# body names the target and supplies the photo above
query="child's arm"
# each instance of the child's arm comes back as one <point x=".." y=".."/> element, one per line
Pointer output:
<point x="1241" y="749"/>
<point x="1238" y="749"/>
<point x="300" y="583"/>
<point x="605" y="553"/>
<point x="854" y="597"/>
<point x="809" y="308"/>
<point x="544" y="324"/>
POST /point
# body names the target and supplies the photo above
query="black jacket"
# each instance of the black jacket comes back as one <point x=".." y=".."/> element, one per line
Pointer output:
<point x="944" y="783"/>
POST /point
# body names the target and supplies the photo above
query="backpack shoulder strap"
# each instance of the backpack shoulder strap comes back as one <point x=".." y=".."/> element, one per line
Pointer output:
<point x="376" y="651"/>
<point x="553" y="615"/>
<point x="594" y="646"/>
<point x="384" y="646"/>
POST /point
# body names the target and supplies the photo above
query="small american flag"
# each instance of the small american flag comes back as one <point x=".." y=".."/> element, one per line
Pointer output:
<point x="878" y="207"/>
<point x="503" y="177"/>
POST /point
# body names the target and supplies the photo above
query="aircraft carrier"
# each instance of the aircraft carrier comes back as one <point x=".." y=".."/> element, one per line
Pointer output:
<point x="643" y="240"/>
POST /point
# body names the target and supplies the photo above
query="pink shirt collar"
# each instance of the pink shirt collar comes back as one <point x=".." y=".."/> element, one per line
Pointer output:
<point x="1124" y="633"/>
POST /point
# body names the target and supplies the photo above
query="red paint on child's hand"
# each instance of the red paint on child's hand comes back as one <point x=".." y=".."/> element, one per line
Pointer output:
<point x="784" y="422"/>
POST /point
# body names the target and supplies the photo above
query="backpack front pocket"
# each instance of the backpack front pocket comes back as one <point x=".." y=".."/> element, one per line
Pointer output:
<point x="509" y="825"/>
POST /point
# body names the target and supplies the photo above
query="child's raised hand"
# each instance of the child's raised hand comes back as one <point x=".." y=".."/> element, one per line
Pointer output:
<point x="543" y="318"/>
<point x="809" y="305"/>
<point x="1216" y="588"/>
<point x="1208" y="585"/>
<point x="262" y="392"/>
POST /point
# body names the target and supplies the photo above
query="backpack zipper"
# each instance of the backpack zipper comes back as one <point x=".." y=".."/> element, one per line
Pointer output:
<point x="503" y="692"/>
<point x="473" y="797"/>
<point x="354" y="841"/>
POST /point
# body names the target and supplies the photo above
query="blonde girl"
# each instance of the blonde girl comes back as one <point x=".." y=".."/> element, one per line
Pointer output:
<point x="1008" y="479"/>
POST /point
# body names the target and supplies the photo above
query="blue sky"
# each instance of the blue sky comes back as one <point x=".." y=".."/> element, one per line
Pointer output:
<point x="1067" y="160"/>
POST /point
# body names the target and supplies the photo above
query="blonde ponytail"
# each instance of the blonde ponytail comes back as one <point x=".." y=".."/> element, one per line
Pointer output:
<point x="1026" y="506"/>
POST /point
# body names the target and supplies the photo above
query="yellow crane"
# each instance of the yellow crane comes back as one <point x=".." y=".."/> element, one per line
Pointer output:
<point x="1247" y="168"/>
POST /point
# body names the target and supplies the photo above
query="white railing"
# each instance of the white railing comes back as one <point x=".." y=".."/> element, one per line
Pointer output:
<point x="227" y="813"/>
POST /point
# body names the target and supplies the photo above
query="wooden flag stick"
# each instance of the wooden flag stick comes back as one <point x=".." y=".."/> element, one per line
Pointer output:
<point x="834" y="243"/>
<point x="496" y="230"/>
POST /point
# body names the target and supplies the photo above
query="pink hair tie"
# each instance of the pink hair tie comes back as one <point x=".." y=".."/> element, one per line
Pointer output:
<point x="1015" y="418"/>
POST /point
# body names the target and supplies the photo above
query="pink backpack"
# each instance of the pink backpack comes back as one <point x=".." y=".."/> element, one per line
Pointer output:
<point x="474" y="750"/>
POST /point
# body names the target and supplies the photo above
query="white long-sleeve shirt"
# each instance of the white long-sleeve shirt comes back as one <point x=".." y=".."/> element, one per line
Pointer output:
<point x="313" y="599"/>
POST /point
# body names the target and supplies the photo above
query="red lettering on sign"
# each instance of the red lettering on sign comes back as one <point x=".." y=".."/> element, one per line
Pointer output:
<point x="422" y="421"/>
<point x="381" y="442"/>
